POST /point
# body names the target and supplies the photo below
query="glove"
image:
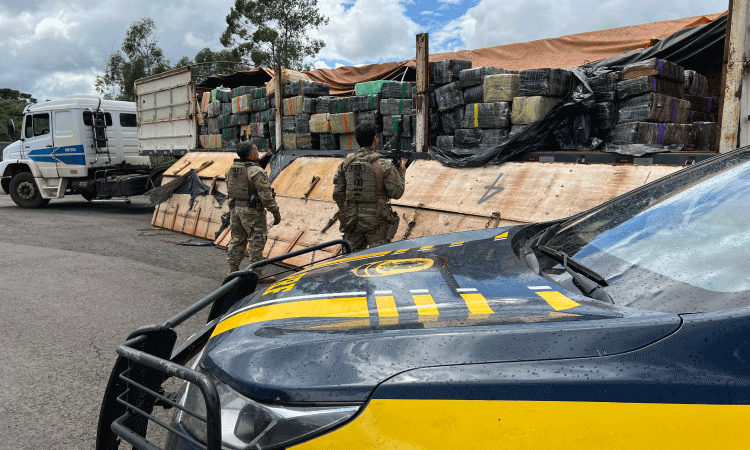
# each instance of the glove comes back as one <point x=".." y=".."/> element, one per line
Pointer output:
<point x="276" y="217"/>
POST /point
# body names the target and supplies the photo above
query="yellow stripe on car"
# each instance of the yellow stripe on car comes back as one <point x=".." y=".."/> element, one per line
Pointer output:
<point x="557" y="300"/>
<point x="354" y="307"/>
<point x="487" y="424"/>
<point x="477" y="304"/>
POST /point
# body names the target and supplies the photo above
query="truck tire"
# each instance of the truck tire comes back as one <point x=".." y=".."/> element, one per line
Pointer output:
<point x="24" y="191"/>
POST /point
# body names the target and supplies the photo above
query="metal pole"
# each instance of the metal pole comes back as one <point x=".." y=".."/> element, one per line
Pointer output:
<point x="279" y="106"/>
<point x="423" y="93"/>
<point x="734" y="118"/>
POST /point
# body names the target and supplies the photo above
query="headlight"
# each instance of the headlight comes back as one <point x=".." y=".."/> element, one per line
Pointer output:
<point x="247" y="424"/>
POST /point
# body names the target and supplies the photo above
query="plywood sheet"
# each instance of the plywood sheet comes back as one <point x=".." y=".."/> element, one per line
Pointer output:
<point x="522" y="192"/>
<point x="219" y="163"/>
<point x="295" y="179"/>
<point x="429" y="222"/>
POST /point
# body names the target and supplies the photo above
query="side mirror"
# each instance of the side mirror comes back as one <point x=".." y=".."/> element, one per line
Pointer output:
<point x="11" y="128"/>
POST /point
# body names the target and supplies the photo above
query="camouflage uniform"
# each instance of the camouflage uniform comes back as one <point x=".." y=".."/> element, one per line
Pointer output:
<point x="363" y="186"/>
<point x="250" y="191"/>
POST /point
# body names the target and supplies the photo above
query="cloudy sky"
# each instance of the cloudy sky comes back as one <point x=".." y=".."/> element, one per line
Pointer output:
<point x="53" y="48"/>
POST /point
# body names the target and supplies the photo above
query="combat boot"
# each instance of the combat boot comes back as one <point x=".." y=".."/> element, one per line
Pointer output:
<point x="267" y="279"/>
<point x="233" y="268"/>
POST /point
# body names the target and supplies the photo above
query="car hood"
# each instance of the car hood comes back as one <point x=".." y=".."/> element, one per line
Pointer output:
<point x="333" y="332"/>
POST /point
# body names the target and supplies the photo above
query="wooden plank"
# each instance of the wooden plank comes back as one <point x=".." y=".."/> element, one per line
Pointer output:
<point x="295" y="179"/>
<point x="522" y="192"/>
<point x="423" y="98"/>
<point x="209" y="164"/>
<point x="277" y="95"/>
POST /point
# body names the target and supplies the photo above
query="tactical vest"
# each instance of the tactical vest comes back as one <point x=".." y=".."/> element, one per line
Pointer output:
<point x="239" y="186"/>
<point x="363" y="184"/>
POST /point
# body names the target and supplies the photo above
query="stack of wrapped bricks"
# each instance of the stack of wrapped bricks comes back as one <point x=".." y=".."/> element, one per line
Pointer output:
<point x="232" y="115"/>
<point x="398" y="114"/>
<point x="539" y="90"/>
<point x="654" y="102"/>
<point x="301" y="101"/>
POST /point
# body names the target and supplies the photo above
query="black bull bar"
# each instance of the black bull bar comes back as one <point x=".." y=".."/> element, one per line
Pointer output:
<point x="148" y="358"/>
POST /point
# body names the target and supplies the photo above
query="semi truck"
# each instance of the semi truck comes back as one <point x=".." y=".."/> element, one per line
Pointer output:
<point x="80" y="145"/>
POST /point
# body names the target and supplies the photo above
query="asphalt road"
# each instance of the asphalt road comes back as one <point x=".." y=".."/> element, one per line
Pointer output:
<point x="75" y="279"/>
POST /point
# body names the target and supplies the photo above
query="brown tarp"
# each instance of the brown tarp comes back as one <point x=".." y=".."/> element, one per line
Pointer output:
<point x="563" y="52"/>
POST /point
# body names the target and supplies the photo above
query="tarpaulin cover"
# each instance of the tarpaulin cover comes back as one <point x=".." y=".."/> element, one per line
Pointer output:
<point x="190" y="183"/>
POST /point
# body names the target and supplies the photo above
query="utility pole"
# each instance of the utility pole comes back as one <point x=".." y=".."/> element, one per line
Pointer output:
<point x="734" y="123"/>
<point x="423" y="92"/>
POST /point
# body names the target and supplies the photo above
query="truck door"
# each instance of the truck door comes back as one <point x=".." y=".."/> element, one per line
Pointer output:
<point x="68" y="153"/>
<point x="38" y="144"/>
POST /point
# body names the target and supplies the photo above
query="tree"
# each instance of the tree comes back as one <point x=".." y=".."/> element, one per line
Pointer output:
<point x="273" y="32"/>
<point x="12" y="103"/>
<point x="208" y="62"/>
<point x="139" y="57"/>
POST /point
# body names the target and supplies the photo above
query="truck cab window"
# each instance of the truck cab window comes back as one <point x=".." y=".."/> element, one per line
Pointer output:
<point x="87" y="118"/>
<point x="128" y="120"/>
<point x="37" y="125"/>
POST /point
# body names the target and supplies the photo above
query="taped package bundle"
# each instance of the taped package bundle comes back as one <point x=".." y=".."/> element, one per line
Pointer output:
<point x="695" y="84"/>
<point x="527" y="110"/>
<point x="702" y="135"/>
<point x="654" y="108"/>
<point x="474" y="94"/>
<point x="500" y="88"/>
<point x="226" y="108"/>
<point x="655" y="67"/>
<point x="365" y="103"/>
<point x="703" y="104"/>
<point x="262" y="143"/>
<point x="287" y="76"/>
<point x="328" y="141"/>
<point x="604" y="115"/>
<point x="213" y="126"/>
<point x="302" y="124"/>
<point x="323" y="105"/>
<point x="487" y="115"/>
<point x="475" y="76"/>
<point x="293" y="105"/>
<point x="211" y="141"/>
<point x="369" y="87"/>
<point x="237" y="120"/>
<point x="257" y="129"/>
<point x="266" y="116"/>
<point x="225" y="121"/>
<point x="343" y="123"/>
<point x="392" y="125"/>
<point x="493" y="138"/>
<point x="290" y="141"/>
<point x="545" y="82"/>
<point x="449" y="97"/>
<point x="241" y="104"/>
<point x="288" y="124"/>
<point x="348" y="142"/>
<point x="262" y="104"/>
<point x="213" y="109"/>
<point x="450" y="121"/>
<point x="700" y="116"/>
<point x="407" y="125"/>
<point x="310" y="105"/>
<point x="307" y="141"/>
<point x="319" y="124"/>
<point x="395" y="106"/>
<point x="604" y="86"/>
<point x="396" y="89"/>
<point x="633" y="87"/>
<point x="447" y="70"/>
<point x="372" y="117"/>
<point x="306" y="88"/>
<point x="445" y="141"/>
<point x="222" y="95"/>
<point x="651" y="133"/>
<point x="230" y="134"/>
<point x="339" y="105"/>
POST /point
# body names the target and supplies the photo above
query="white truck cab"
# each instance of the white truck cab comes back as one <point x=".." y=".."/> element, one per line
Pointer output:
<point x="77" y="145"/>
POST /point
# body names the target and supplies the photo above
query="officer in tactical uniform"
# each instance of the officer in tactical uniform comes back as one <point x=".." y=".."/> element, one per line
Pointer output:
<point x="250" y="192"/>
<point x="363" y="186"/>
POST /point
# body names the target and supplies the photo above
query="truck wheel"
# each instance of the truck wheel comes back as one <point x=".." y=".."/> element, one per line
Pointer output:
<point x="24" y="191"/>
<point x="88" y="195"/>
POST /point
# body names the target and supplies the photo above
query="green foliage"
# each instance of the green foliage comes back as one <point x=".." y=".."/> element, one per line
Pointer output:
<point x="12" y="104"/>
<point x="208" y="62"/>
<point x="139" y="57"/>
<point x="273" y="32"/>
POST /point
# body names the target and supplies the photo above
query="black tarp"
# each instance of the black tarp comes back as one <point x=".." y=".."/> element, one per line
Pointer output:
<point x="190" y="183"/>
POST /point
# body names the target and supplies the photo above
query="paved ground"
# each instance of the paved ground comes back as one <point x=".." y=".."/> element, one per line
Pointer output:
<point x="75" y="279"/>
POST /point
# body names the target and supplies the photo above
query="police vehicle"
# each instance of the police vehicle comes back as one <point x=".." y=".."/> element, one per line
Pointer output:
<point x="626" y="326"/>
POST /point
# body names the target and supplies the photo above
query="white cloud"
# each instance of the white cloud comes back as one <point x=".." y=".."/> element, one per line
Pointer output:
<point x="369" y="31"/>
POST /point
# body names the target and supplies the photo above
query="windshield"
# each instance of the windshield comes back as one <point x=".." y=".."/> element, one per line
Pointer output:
<point x="679" y="246"/>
